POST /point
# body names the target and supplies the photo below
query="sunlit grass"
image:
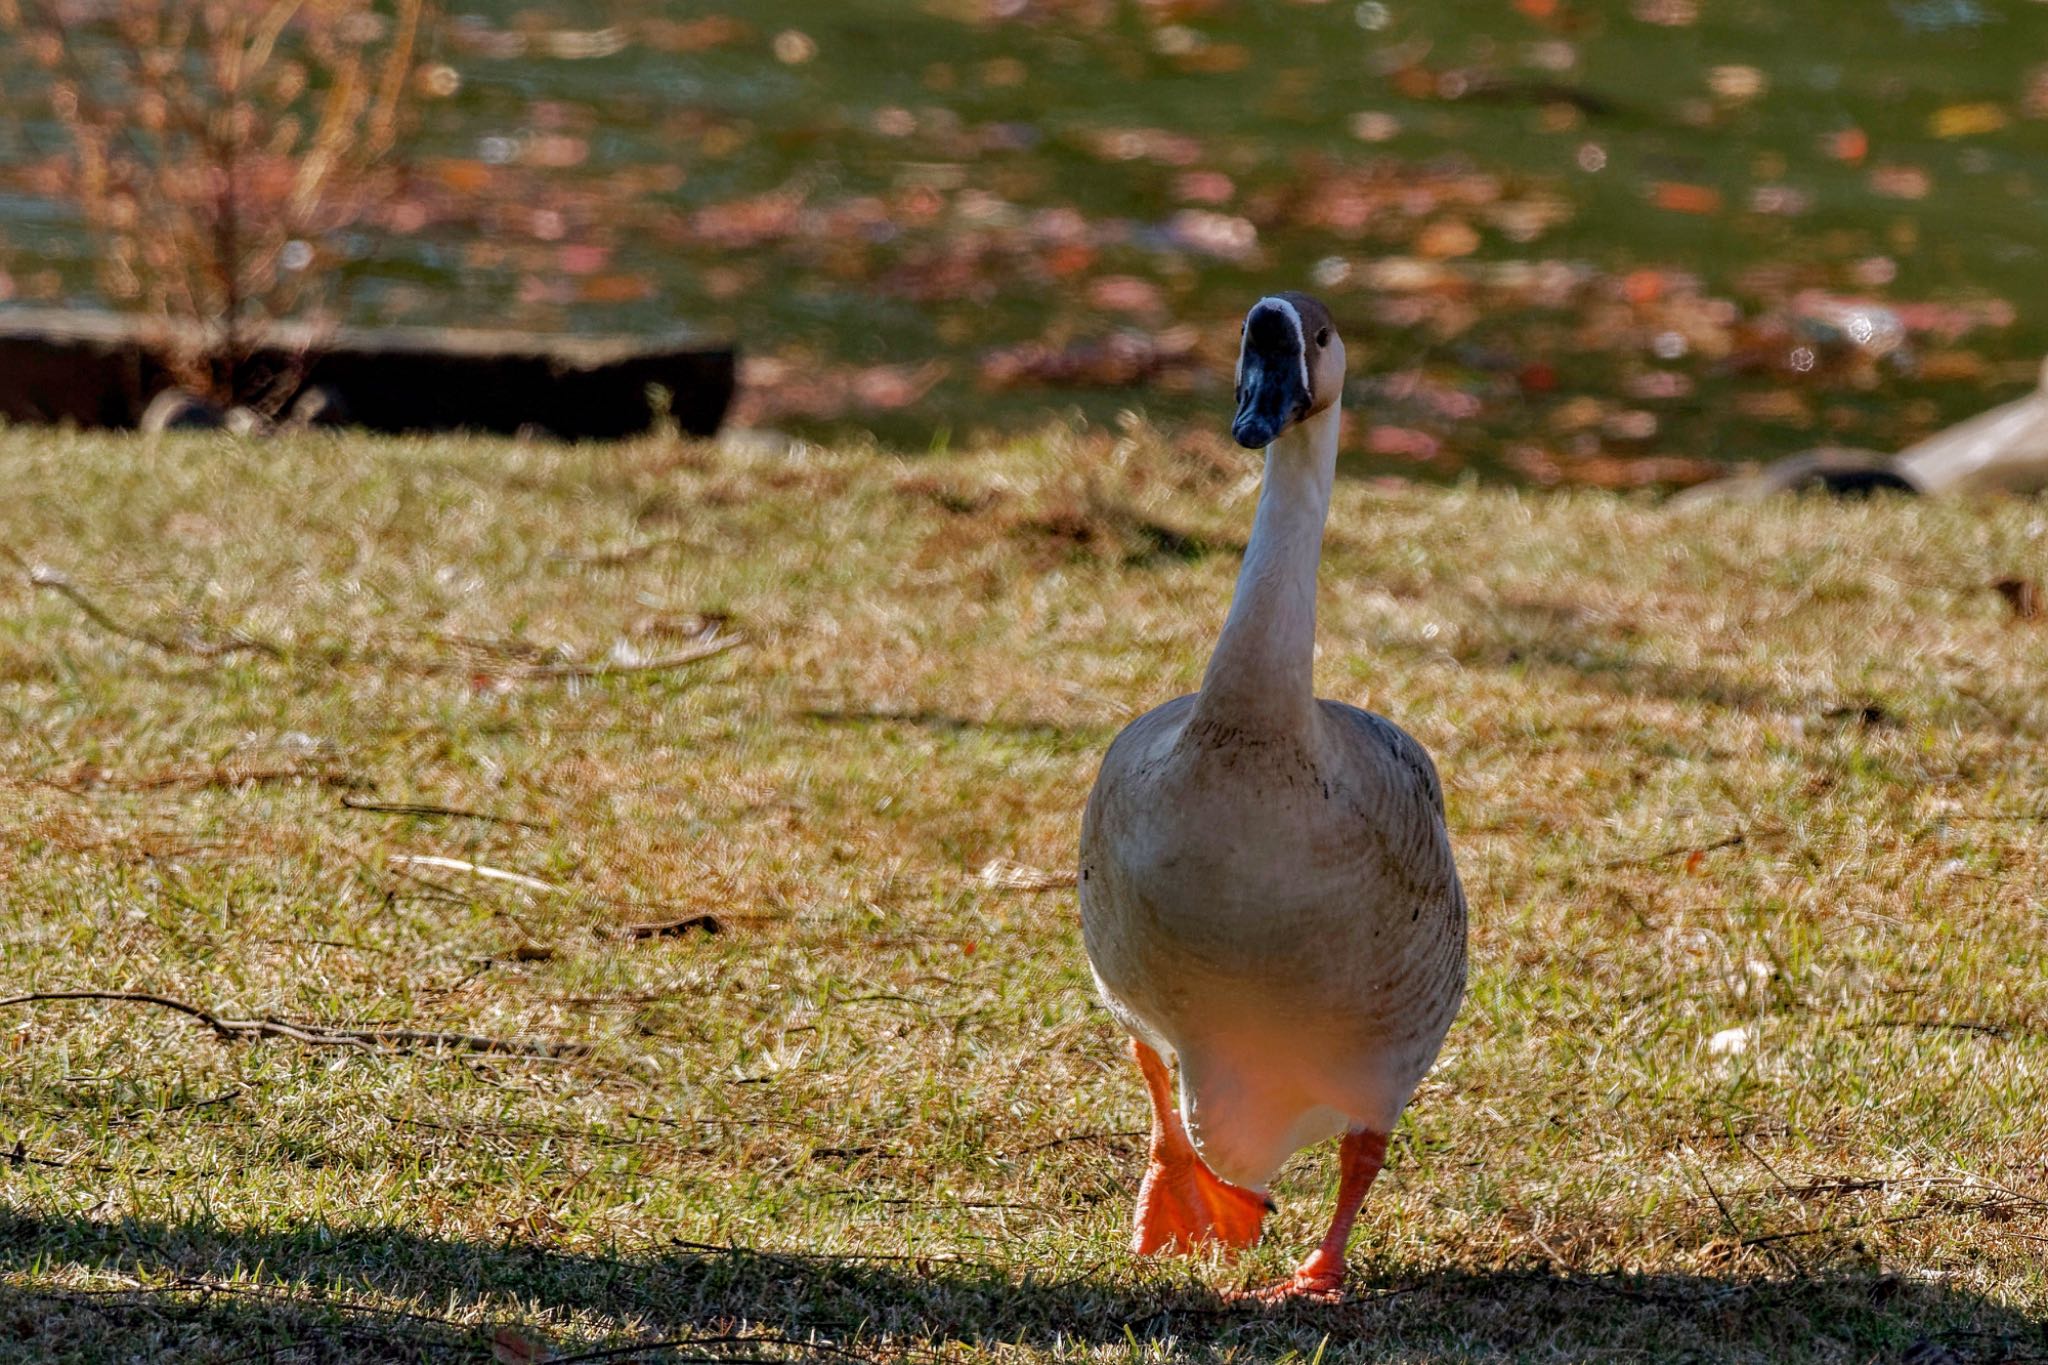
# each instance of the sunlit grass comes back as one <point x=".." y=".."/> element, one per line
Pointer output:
<point x="1768" y="776"/>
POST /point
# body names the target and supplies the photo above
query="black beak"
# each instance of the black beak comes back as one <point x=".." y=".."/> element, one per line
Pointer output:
<point x="1270" y="398"/>
<point x="1272" y="376"/>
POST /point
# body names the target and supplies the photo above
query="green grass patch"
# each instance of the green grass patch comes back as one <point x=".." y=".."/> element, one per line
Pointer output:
<point x="1749" y="804"/>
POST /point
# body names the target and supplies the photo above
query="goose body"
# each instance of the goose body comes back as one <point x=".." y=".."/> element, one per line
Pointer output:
<point x="1268" y="894"/>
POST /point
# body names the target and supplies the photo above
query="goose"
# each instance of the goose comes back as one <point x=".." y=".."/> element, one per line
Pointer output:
<point x="1267" y="890"/>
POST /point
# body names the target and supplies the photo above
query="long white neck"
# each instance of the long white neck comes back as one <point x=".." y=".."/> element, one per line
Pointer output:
<point x="1261" y="677"/>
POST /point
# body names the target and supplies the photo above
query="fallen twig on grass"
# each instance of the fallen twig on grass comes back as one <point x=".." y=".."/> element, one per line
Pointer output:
<point x="1771" y="1240"/>
<point x="19" y="1155"/>
<point x="672" y="928"/>
<point x="1956" y="1025"/>
<point x="488" y="873"/>
<point x="427" y="811"/>
<point x="812" y="1258"/>
<point x="1734" y="840"/>
<point x="316" y="1035"/>
<point x="198" y="776"/>
<point x="1049" y="1144"/>
<point x="555" y="672"/>
<point x="511" y="1348"/>
<point x="710" y="924"/>
<point x="1002" y="874"/>
<point x="610" y="669"/>
<point x="51" y="580"/>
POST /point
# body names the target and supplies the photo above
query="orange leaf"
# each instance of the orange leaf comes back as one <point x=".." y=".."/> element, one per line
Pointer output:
<point x="1850" y="145"/>
<point x="1682" y="198"/>
<point x="464" y="177"/>
<point x="1216" y="59"/>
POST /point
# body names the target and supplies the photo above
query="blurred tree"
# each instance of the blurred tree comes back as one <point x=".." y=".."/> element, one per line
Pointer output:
<point x="219" y="150"/>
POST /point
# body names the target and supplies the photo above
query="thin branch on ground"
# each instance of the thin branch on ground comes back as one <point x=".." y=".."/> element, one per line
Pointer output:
<point x="1954" y="1025"/>
<point x="1734" y="840"/>
<point x="53" y="581"/>
<point x="681" y="1343"/>
<point x="428" y="811"/>
<point x="671" y="928"/>
<point x="1069" y="1139"/>
<point x="19" y="1155"/>
<point x="317" y="1035"/>
<point x="663" y="664"/>
<point x="198" y="776"/>
<point x="482" y="870"/>
<point x="812" y="1258"/>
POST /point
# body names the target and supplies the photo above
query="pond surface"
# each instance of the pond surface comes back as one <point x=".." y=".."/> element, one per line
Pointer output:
<point x="1607" y="242"/>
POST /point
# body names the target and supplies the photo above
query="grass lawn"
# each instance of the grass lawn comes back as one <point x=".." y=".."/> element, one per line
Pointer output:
<point x="1750" y="807"/>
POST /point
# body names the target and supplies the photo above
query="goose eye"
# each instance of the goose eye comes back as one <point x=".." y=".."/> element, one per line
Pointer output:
<point x="1323" y="336"/>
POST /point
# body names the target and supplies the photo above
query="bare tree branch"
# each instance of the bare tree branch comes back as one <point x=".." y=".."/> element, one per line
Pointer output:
<point x="316" y="1035"/>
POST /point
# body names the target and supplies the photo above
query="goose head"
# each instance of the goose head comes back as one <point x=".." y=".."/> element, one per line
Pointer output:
<point x="1290" y="366"/>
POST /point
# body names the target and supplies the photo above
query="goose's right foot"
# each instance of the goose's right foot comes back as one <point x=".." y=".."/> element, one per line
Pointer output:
<point x="1320" y="1278"/>
<point x="1182" y="1204"/>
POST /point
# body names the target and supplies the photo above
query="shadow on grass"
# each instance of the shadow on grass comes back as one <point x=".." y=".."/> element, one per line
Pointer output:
<point x="941" y="722"/>
<point x="1557" y="639"/>
<point x="200" y="1291"/>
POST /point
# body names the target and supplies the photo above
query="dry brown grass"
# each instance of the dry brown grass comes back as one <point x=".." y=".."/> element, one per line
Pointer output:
<point x="879" y="1114"/>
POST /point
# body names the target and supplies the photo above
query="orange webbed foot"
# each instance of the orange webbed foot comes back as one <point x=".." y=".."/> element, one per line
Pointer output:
<point x="1319" y="1279"/>
<point x="1184" y="1206"/>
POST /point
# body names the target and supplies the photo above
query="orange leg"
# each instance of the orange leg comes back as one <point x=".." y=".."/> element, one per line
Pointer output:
<point x="1182" y="1204"/>
<point x="1320" y="1278"/>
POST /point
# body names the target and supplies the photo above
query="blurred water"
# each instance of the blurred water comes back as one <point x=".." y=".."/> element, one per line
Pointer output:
<point x="1564" y="240"/>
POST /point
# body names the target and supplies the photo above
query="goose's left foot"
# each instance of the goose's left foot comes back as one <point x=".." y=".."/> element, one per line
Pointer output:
<point x="1320" y="1278"/>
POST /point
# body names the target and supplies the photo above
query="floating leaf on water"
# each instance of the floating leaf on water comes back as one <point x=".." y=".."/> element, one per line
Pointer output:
<point x="1215" y="59"/>
<point x="1126" y="294"/>
<point x="583" y="44"/>
<point x="1447" y="237"/>
<point x="1737" y="82"/>
<point x="1204" y="187"/>
<point x="1677" y="197"/>
<point x="1901" y="182"/>
<point x="694" y="35"/>
<point x="1783" y="201"/>
<point x="1967" y="120"/>
<point x="2035" y="99"/>
<point x="794" y="47"/>
<point x="1221" y="235"/>
<point x="1373" y="126"/>
<point x="437" y="80"/>
<point x="1846" y="144"/>
<point x="616" y="288"/>
<point x="464" y="177"/>
<point x="1403" y="443"/>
